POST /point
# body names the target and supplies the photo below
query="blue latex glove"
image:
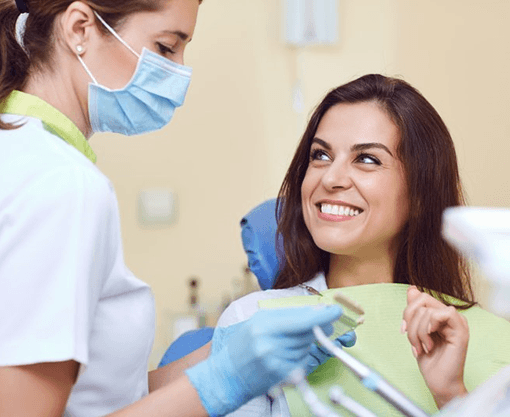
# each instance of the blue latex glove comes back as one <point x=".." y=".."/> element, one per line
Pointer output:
<point x="318" y="355"/>
<point x="249" y="358"/>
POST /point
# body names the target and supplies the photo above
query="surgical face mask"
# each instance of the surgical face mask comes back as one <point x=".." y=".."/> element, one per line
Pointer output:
<point x="146" y="103"/>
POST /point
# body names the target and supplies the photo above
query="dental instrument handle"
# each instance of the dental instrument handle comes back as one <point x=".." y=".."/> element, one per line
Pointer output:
<point x="398" y="400"/>
<point x="337" y="396"/>
<point x="371" y="379"/>
<point x="298" y="378"/>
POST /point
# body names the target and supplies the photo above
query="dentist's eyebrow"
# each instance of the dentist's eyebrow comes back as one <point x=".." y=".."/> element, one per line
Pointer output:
<point x="321" y="142"/>
<point x="365" y="146"/>
<point x="180" y="34"/>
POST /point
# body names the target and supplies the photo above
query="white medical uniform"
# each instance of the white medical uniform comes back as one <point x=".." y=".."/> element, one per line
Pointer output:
<point x="241" y="310"/>
<point x="65" y="292"/>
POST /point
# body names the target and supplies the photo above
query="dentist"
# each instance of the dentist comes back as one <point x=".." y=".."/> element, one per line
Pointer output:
<point x="76" y="326"/>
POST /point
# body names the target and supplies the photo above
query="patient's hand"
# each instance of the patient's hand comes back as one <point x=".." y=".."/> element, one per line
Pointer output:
<point x="439" y="337"/>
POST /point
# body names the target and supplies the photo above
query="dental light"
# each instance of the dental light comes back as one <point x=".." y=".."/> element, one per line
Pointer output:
<point x="483" y="234"/>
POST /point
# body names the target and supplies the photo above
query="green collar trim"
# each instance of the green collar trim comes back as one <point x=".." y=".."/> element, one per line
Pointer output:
<point x="23" y="104"/>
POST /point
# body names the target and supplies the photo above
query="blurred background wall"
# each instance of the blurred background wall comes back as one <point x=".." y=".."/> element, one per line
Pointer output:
<point x="228" y="148"/>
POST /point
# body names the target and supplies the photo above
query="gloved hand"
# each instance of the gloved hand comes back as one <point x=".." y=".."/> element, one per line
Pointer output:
<point x="250" y="357"/>
<point x="318" y="355"/>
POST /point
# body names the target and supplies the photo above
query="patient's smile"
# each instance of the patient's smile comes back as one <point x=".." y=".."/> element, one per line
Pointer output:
<point x="337" y="212"/>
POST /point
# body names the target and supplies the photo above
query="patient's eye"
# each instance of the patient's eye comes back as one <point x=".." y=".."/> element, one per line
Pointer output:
<point x="319" y="155"/>
<point x="366" y="158"/>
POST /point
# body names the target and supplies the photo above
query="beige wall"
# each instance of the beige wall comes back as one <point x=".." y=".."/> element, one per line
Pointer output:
<point x="229" y="147"/>
<point x="458" y="54"/>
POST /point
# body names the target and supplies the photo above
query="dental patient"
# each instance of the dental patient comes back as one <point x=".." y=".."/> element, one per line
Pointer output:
<point x="360" y="210"/>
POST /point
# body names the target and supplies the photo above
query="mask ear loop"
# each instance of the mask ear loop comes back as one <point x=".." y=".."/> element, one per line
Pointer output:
<point x="107" y="26"/>
<point x="110" y="29"/>
<point x="80" y="50"/>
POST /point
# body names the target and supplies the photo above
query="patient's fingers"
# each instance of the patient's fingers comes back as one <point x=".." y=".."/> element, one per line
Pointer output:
<point x="416" y="300"/>
<point x="428" y="322"/>
<point x="417" y="337"/>
<point x="426" y="339"/>
<point x="417" y="315"/>
<point x="451" y="326"/>
<point x="449" y="317"/>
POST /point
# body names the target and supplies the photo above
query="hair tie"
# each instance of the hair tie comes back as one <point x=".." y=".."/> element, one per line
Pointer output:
<point x="22" y="6"/>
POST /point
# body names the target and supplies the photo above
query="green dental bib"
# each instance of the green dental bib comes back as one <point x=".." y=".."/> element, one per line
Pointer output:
<point x="382" y="347"/>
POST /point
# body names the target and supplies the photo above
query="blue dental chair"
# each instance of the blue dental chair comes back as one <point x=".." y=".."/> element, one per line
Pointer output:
<point x="258" y="234"/>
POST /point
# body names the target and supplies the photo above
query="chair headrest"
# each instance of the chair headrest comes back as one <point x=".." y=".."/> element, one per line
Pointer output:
<point x="258" y="234"/>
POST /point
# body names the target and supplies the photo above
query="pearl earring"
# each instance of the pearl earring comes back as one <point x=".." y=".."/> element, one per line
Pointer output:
<point x="79" y="48"/>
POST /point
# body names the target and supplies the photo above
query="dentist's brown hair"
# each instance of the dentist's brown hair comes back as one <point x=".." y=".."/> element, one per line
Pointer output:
<point x="428" y="156"/>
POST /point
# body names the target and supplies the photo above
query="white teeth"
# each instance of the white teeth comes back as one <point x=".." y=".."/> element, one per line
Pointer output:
<point x="339" y="210"/>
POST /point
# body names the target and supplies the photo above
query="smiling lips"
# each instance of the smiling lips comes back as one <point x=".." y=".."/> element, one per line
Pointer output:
<point x="334" y="212"/>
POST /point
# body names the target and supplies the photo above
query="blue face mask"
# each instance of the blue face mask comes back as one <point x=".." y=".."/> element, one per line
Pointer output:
<point x="146" y="103"/>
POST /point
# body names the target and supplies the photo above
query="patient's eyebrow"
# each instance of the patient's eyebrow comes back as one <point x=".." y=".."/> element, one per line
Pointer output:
<point x="354" y="148"/>
<point x="321" y="142"/>
<point x="365" y="146"/>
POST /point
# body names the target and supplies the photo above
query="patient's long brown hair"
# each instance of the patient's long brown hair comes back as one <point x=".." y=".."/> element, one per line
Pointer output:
<point x="428" y="155"/>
